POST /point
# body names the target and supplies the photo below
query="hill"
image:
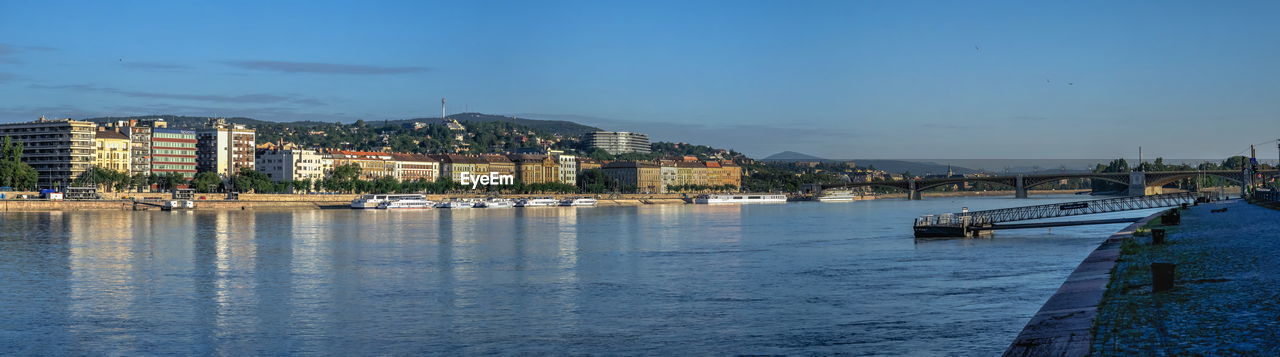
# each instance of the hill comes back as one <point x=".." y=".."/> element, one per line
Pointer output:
<point x="561" y="127"/>
<point x="792" y="156"/>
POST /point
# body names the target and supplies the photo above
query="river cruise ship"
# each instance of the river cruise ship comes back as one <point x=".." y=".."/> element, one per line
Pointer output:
<point x="837" y="196"/>
<point x="408" y="203"/>
<point x="537" y="202"/>
<point x="372" y="201"/>
<point x="495" y="203"/>
<point x="740" y="198"/>
<point x="456" y="203"/>
<point x="578" y="201"/>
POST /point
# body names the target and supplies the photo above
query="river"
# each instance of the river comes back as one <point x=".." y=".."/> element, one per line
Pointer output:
<point x="686" y="279"/>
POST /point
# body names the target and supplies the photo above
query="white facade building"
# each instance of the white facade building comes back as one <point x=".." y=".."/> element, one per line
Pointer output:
<point x="292" y="164"/>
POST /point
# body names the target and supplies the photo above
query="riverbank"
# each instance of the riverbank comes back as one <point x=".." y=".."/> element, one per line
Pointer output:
<point x="1225" y="299"/>
<point x="1062" y="325"/>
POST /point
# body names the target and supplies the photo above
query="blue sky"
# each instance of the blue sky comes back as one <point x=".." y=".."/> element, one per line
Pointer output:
<point x="843" y="79"/>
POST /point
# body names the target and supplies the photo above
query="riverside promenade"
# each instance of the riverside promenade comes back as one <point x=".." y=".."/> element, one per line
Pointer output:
<point x="1226" y="295"/>
<point x="1225" y="299"/>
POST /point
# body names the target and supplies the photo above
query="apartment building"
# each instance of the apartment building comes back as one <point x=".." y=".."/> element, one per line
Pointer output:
<point x="291" y="164"/>
<point x="453" y="165"/>
<point x="225" y="148"/>
<point x="618" y="142"/>
<point x="58" y="149"/>
<point x="413" y="167"/>
<point x="635" y="176"/>
<point x="112" y="150"/>
<point x="373" y="165"/>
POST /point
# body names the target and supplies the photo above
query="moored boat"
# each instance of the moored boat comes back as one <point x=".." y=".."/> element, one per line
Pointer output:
<point x="740" y="198"/>
<point x="408" y="203"/>
<point x="837" y="196"/>
<point x="372" y="201"/>
<point x="536" y="202"/>
<point x="456" y="203"/>
<point x="495" y="203"/>
<point x="578" y="202"/>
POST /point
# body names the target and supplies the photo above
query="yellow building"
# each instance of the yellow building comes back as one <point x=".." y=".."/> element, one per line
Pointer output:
<point x="373" y="165"/>
<point x="112" y="150"/>
<point x="635" y="176"/>
<point x="536" y="168"/>
<point x="453" y="165"/>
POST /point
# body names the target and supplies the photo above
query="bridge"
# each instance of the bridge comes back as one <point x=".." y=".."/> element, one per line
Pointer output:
<point x="965" y="224"/>
<point x="1138" y="183"/>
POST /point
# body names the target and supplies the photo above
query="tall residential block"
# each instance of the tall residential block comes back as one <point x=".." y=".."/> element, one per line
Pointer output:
<point x="224" y="148"/>
<point x="618" y="142"/>
<point x="173" y="150"/>
<point x="59" y="149"/>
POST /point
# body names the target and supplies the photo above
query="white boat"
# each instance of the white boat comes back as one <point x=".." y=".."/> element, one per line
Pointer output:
<point x="837" y="196"/>
<point x="495" y="203"/>
<point x="372" y="201"/>
<point x="740" y="198"/>
<point x="578" y="201"/>
<point x="408" y="203"/>
<point x="456" y="204"/>
<point x="537" y="202"/>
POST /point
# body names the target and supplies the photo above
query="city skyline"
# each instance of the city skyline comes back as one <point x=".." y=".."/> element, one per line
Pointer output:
<point x="840" y="80"/>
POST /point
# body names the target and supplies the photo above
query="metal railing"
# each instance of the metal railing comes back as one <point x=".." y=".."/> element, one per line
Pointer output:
<point x="1273" y="196"/>
<point x="1064" y="209"/>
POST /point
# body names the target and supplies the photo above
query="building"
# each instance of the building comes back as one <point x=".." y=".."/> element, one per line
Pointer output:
<point x="173" y="150"/>
<point x="291" y="164"/>
<point x="225" y="148"/>
<point x="568" y="168"/>
<point x="413" y="167"/>
<point x="453" y="165"/>
<point x="635" y="176"/>
<point x="618" y="142"/>
<point x="139" y="149"/>
<point x="585" y="164"/>
<point x="58" y="149"/>
<point x="373" y="165"/>
<point x="535" y="168"/>
<point x="691" y="172"/>
<point x="112" y="150"/>
<point x="500" y="164"/>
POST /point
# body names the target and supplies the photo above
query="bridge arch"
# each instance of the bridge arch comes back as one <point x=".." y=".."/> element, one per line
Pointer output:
<point x="1006" y="182"/>
<point x="1162" y="180"/>
<point x="1032" y="182"/>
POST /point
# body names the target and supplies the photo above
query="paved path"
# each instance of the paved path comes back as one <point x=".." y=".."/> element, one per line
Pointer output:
<point x="1226" y="300"/>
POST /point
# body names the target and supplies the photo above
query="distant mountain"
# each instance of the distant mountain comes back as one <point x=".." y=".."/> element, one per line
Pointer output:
<point x="915" y="167"/>
<point x="792" y="156"/>
<point x="892" y="166"/>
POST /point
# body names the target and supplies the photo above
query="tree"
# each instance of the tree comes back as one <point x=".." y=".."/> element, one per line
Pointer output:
<point x="13" y="172"/>
<point x="206" y="182"/>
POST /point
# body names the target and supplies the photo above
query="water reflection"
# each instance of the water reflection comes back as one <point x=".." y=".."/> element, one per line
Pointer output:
<point x="657" y="279"/>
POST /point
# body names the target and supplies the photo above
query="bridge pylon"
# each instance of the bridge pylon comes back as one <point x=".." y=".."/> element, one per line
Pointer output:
<point x="1020" y="188"/>
<point x="913" y="193"/>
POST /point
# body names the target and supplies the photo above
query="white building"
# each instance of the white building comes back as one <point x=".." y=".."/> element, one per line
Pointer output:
<point x="292" y="164"/>
<point x="568" y="168"/>
<point x="618" y="142"/>
<point x="224" y="148"/>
